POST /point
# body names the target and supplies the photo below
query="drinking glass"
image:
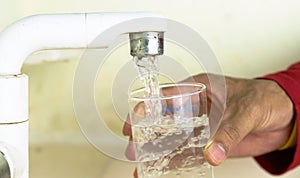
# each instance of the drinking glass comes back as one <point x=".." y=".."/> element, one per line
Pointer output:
<point x="170" y="131"/>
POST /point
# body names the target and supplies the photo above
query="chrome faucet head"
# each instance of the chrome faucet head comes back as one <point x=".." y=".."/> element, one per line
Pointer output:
<point x="146" y="44"/>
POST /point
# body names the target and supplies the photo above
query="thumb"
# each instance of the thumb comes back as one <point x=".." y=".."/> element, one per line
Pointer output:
<point x="229" y="135"/>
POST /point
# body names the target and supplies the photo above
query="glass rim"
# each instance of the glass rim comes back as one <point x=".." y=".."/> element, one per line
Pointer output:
<point x="202" y="88"/>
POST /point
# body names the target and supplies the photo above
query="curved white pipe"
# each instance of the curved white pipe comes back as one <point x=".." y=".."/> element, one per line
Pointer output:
<point x="42" y="32"/>
<point x="59" y="31"/>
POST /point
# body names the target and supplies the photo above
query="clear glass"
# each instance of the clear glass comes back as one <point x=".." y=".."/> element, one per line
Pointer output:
<point x="170" y="131"/>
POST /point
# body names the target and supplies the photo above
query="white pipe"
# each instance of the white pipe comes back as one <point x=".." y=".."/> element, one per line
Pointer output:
<point x="40" y="32"/>
<point x="14" y="145"/>
<point x="61" y="31"/>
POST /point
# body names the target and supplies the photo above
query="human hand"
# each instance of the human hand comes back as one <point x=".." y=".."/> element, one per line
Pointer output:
<point x="257" y="118"/>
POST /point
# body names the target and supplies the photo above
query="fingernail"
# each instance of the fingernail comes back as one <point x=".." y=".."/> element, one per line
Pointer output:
<point x="216" y="153"/>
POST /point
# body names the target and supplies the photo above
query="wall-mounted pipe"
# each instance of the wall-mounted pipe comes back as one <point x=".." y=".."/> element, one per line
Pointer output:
<point x="59" y="31"/>
<point x="4" y="167"/>
<point x="40" y="32"/>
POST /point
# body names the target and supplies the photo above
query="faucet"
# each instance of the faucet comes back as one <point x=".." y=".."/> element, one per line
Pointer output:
<point x="57" y="31"/>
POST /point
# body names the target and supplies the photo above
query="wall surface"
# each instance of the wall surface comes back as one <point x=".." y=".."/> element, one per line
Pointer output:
<point x="249" y="38"/>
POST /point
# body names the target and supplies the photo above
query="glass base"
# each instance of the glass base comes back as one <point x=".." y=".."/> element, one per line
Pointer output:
<point x="203" y="171"/>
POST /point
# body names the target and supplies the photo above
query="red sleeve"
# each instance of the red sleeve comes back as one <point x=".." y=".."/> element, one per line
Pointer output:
<point x="279" y="162"/>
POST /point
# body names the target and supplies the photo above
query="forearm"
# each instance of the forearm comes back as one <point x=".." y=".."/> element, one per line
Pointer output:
<point x="280" y="161"/>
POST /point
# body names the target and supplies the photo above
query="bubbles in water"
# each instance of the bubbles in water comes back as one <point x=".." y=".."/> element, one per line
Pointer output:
<point x="172" y="152"/>
<point x="171" y="143"/>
